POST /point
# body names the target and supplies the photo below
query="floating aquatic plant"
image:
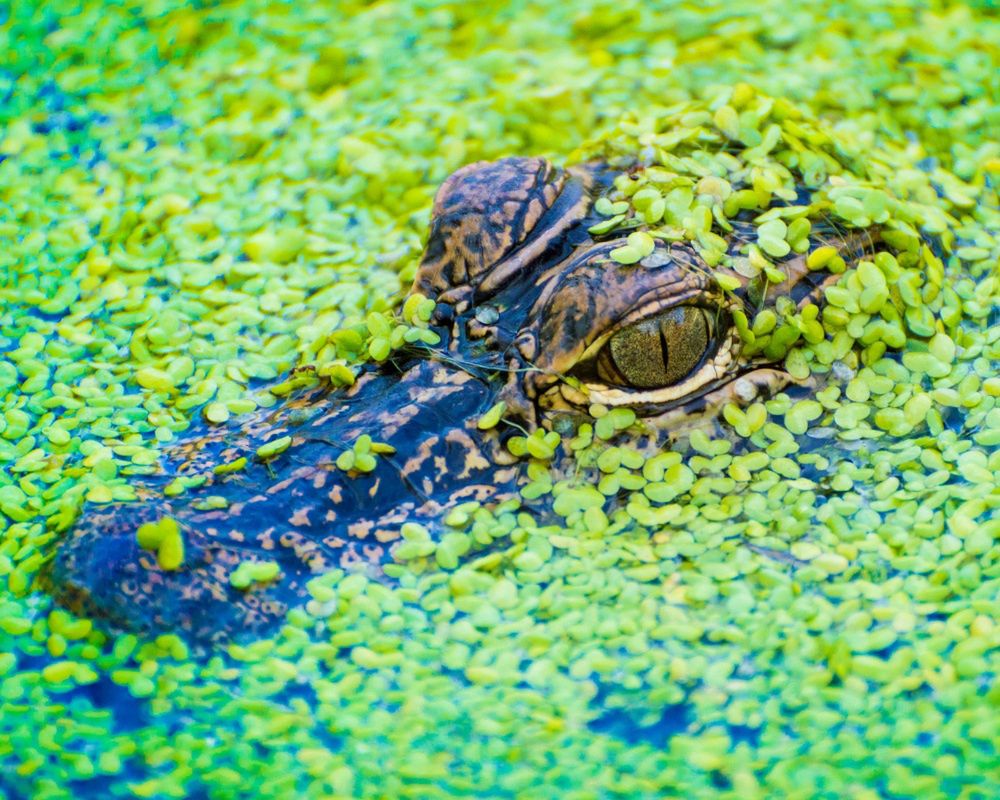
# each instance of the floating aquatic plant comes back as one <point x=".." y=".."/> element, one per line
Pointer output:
<point x="797" y="601"/>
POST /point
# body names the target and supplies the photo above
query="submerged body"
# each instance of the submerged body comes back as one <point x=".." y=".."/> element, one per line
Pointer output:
<point x="532" y="310"/>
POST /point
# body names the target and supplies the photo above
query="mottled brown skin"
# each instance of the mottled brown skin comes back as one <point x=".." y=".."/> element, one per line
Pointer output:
<point x="524" y="296"/>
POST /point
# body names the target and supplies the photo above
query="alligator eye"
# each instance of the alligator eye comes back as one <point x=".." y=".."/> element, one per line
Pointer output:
<point x="659" y="351"/>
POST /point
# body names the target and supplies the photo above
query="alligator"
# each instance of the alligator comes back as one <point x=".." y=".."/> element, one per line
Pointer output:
<point x="531" y="311"/>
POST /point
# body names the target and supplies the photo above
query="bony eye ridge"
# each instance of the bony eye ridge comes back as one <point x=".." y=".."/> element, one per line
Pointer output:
<point x="659" y="351"/>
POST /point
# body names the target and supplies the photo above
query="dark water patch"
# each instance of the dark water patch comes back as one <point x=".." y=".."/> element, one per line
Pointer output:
<point x="745" y="733"/>
<point x="8" y="791"/>
<point x="55" y="99"/>
<point x="162" y="121"/>
<point x="59" y="121"/>
<point x="720" y="781"/>
<point x="623" y="725"/>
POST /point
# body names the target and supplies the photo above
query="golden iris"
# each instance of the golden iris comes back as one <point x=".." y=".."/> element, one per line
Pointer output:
<point x="658" y="351"/>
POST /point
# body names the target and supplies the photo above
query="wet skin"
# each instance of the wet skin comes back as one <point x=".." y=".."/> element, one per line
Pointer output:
<point x="531" y="310"/>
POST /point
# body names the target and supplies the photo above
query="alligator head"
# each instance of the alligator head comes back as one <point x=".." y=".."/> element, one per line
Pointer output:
<point x="531" y="310"/>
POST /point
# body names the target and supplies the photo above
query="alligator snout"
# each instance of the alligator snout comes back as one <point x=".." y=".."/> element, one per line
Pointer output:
<point x="297" y="510"/>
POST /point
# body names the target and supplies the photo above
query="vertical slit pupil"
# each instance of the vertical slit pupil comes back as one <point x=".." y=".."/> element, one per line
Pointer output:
<point x="664" y="347"/>
<point x="681" y="335"/>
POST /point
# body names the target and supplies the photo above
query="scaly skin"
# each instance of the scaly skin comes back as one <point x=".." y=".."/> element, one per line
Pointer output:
<point x="524" y="295"/>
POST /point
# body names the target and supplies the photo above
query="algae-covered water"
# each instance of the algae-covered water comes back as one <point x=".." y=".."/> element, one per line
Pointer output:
<point x="799" y="600"/>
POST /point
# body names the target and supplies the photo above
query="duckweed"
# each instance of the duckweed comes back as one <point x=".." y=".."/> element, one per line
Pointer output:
<point x="251" y="572"/>
<point x="492" y="417"/>
<point x="274" y="447"/>
<point x="798" y="600"/>
<point x="164" y="537"/>
<point x="361" y="456"/>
